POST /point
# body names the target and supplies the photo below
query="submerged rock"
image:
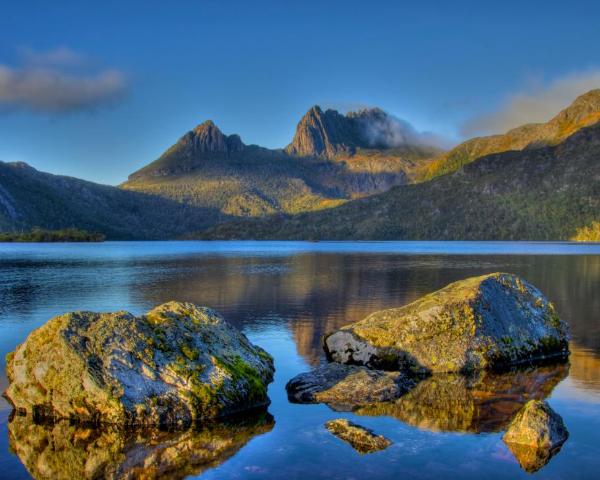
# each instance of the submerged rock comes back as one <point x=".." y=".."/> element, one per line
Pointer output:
<point x="360" y="438"/>
<point x="63" y="450"/>
<point x="483" y="322"/>
<point x="535" y="435"/>
<point x="484" y="401"/>
<point x="175" y="365"/>
<point x="344" y="387"/>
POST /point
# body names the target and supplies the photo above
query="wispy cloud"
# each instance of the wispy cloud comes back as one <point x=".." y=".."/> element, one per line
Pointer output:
<point x="55" y="81"/>
<point x="538" y="103"/>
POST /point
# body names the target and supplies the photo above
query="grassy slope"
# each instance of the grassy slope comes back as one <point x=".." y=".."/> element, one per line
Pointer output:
<point x="259" y="182"/>
<point x="583" y="112"/>
<point x="539" y="194"/>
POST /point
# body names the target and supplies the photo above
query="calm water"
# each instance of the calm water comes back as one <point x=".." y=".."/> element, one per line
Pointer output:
<point x="284" y="296"/>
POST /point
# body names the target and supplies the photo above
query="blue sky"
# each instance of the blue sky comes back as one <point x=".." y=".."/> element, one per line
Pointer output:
<point x="98" y="89"/>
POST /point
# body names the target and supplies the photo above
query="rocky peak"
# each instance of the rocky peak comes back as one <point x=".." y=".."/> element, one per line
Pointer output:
<point x="324" y="134"/>
<point x="207" y="138"/>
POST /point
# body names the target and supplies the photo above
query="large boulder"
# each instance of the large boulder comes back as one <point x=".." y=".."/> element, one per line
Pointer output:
<point x="176" y="365"/>
<point x="345" y="387"/>
<point x="483" y="322"/>
<point x="535" y="435"/>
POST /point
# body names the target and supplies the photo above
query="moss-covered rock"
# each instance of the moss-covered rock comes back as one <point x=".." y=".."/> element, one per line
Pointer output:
<point x="63" y="450"/>
<point x="344" y="387"/>
<point x="535" y="435"/>
<point x="360" y="438"/>
<point x="490" y="321"/>
<point x="176" y="365"/>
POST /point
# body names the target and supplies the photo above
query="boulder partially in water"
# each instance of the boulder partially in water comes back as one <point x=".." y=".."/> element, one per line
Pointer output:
<point x="491" y="321"/>
<point x="535" y="435"/>
<point x="63" y="450"/>
<point x="344" y="387"/>
<point x="176" y="365"/>
<point x="360" y="438"/>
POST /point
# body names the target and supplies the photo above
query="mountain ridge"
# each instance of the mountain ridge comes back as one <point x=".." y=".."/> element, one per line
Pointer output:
<point x="582" y="112"/>
<point x="546" y="193"/>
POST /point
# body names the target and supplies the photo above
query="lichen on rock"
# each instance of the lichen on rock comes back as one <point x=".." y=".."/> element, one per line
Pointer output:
<point x="360" y="438"/>
<point x="345" y="387"/>
<point x="176" y="365"/>
<point x="491" y="321"/>
<point x="535" y="435"/>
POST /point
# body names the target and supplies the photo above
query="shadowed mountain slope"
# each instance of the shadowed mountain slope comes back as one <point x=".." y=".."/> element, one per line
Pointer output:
<point x="30" y="198"/>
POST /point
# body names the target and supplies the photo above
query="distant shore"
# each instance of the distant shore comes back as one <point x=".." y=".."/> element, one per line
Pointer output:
<point x="38" y="235"/>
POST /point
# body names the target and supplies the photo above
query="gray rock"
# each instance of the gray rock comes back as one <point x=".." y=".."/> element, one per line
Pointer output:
<point x="344" y="387"/>
<point x="176" y="365"/>
<point x="483" y="322"/>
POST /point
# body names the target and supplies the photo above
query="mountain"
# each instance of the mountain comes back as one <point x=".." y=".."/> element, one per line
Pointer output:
<point x="542" y="193"/>
<point x="30" y="198"/>
<point x="584" y="111"/>
<point x="333" y="158"/>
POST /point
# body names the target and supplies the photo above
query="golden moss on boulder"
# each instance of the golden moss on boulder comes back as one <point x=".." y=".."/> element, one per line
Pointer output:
<point x="490" y="321"/>
<point x="176" y="365"/>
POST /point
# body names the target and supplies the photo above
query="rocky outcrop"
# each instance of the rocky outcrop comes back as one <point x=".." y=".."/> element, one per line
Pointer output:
<point x="535" y="435"/>
<point x="491" y="321"/>
<point x="360" y="438"/>
<point x="329" y="134"/>
<point x="324" y="134"/>
<point x="64" y="451"/>
<point x="175" y="365"/>
<point x="478" y="403"/>
<point x="204" y="143"/>
<point x="344" y="387"/>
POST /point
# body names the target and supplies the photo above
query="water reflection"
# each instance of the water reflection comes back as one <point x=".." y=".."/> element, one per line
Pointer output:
<point x="66" y="451"/>
<point x="532" y="459"/>
<point x="482" y="402"/>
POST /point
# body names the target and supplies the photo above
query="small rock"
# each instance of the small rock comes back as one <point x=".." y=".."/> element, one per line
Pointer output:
<point x="344" y="387"/>
<point x="361" y="439"/>
<point x="535" y="435"/>
<point x="176" y="365"/>
<point x="491" y="321"/>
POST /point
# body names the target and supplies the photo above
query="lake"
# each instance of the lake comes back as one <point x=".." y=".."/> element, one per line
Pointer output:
<point x="284" y="296"/>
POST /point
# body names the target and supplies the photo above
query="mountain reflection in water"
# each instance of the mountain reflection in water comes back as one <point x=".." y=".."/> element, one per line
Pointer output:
<point x="66" y="451"/>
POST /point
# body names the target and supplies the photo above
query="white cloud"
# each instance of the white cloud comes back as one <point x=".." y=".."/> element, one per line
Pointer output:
<point x="47" y="82"/>
<point x="538" y="103"/>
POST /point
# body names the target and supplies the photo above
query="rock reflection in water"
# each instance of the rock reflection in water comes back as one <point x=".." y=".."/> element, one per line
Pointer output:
<point x="483" y="402"/>
<point x="531" y="459"/>
<point x="66" y="451"/>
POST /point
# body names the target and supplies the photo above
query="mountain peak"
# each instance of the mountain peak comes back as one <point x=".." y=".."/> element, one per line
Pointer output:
<point x="208" y="138"/>
<point x="204" y="142"/>
<point x="323" y="134"/>
<point x="329" y="133"/>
